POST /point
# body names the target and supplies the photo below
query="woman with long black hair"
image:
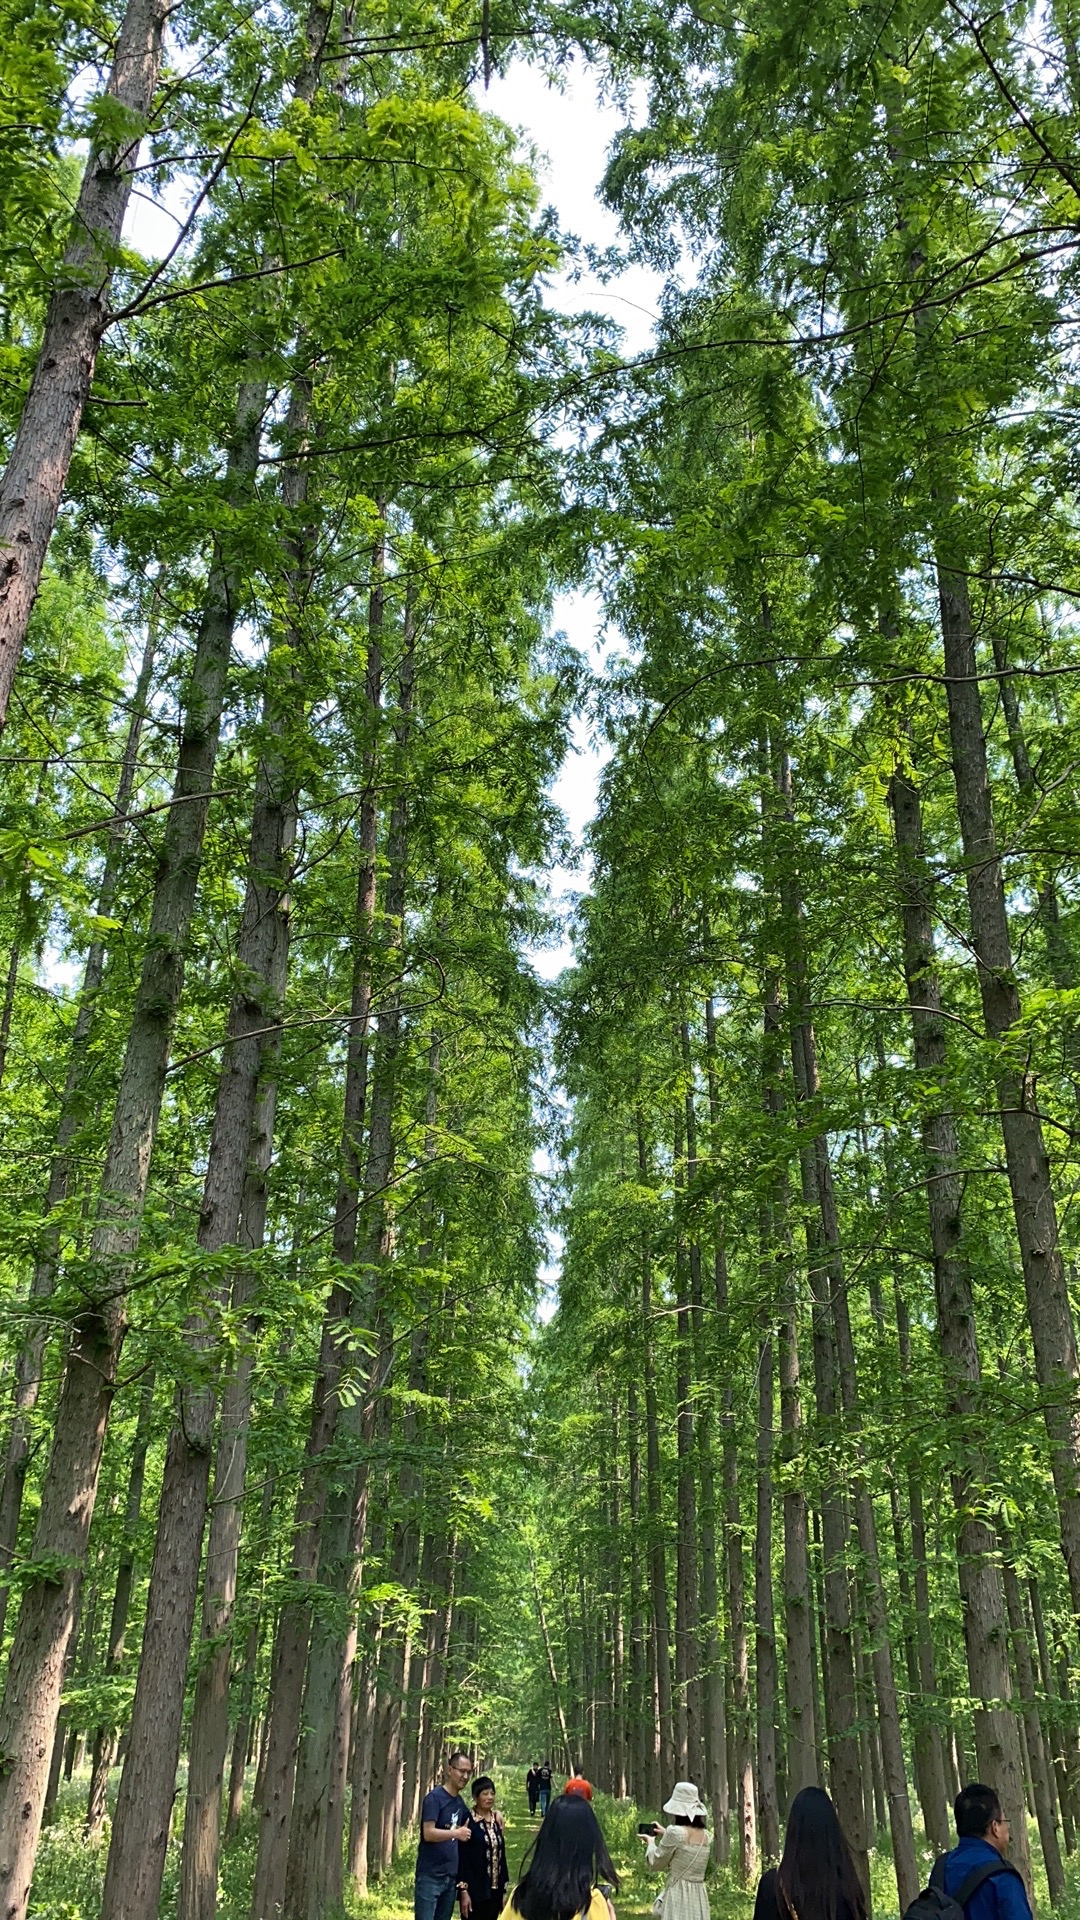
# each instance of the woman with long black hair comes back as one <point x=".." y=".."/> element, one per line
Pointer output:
<point x="567" y="1871"/>
<point x="816" y="1878"/>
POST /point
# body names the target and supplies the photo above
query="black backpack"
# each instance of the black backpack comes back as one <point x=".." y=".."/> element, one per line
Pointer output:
<point x="933" y="1903"/>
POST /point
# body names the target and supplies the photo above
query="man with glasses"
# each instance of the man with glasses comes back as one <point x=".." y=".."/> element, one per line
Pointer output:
<point x="444" y="1825"/>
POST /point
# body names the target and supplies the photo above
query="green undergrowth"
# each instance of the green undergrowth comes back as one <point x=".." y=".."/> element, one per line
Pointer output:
<point x="70" y="1869"/>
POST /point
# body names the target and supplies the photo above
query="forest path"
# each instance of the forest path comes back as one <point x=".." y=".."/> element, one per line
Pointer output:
<point x="637" y="1889"/>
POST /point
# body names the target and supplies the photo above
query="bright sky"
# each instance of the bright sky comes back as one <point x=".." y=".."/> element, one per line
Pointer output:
<point x="571" y="130"/>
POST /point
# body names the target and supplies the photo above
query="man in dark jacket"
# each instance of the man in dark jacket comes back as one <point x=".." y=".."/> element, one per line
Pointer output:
<point x="982" y="1833"/>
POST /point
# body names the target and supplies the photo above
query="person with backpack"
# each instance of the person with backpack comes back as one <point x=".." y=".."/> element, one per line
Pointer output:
<point x="816" y="1878"/>
<point x="975" y="1881"/>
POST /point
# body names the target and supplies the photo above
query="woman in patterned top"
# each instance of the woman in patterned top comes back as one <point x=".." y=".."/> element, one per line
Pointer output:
<point x="484" y="1878"/>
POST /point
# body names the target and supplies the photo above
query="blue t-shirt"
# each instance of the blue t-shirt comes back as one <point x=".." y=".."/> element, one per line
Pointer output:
<point x="440" y="1857"/>
<point x="1002" y="1898"/>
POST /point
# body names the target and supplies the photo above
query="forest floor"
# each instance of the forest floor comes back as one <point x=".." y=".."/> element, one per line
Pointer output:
<point x="70" y="1869"/>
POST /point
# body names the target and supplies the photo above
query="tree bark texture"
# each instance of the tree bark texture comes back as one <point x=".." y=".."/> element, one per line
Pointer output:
<point x="244" y="1136"/>
<point x="105" y="1737"/>
<point x="294" y="1627"/>
<point x="30" y="1356"/>
<point x="35" y="1670"/>
<point x="841" y="1712"/>
<point x="985" y="1627"/>
<point x="1034" y="1210"/>
<point x="768" y="1806"/>
<point x="314" y="1867"/>
<point x="36" y="474"/>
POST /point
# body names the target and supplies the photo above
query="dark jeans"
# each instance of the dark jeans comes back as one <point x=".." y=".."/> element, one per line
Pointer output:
<point x="544" y="1798"/>
<point x="434" y="1896"/>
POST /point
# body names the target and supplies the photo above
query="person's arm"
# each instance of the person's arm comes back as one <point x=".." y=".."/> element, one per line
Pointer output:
<point x="660" y="1849"/>
<point x="468" y="1890"/>
<point x="430" y="1829"/>
<point x="1012" y="1897"/>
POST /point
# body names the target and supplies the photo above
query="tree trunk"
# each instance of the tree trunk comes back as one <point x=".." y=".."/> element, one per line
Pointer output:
<point x="742" y="1783"/>
<point x="237" y="1197"/>
<point x="838" y="1664"/>
<point x="713" y="1727"/>
<point x="36" y="474"/>
<point x="105" y="1737"/>
<point x="803" y="1768"/>
<point x="929" y="1753"/>
<point x="1041" y="1784"/>
<point x="1062" y="1770"/>
<point x="1062" y="972"/>
<point x="242" y="1734"/>
<point x="833" y="1299"/>
<point x="658" y="1595"/>
<point x="686" y="1653"/>
<point x="314" y="1873"/>
<point x="294" y="1625"/>
<point x="148" y="1783"/>
<point x="549" y="1655"/>
<point x="1045" y="1282"/>
<point x="360" y="1770"/>
<point x="985" y="1630"/>
<point x="31" y="1351"/>
<point x="35" y="1670"/>
<point x="764" y="1619"/>
<point x="645" y="1781"/>
<point x="7" y="1007"/>
<point x="888" y="1705"/>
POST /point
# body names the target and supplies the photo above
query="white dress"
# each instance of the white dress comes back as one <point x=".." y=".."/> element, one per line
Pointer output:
<point x="685" y="1860"/>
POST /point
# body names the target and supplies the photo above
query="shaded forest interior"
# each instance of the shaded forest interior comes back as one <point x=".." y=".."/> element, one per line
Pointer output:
<point x="304" y="1467"/>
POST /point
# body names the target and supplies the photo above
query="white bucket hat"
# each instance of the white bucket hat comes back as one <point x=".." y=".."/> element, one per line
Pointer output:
<point x="687" y="1801"/>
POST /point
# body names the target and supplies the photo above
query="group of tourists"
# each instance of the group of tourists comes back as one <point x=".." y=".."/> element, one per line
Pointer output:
<point x="538" y="1788"/>
<point x="567" y="1872"/>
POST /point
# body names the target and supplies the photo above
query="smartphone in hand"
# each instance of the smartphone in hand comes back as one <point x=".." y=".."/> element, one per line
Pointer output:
<point x="647" y="1828"/>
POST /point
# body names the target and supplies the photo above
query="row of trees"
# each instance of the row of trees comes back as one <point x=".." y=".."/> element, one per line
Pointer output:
<point x="789" y="1488"/>
<point x="816" y="1335"/>
<point x="281" y="721"/>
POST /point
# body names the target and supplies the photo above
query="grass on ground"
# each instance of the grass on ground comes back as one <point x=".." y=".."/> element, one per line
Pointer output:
<point x="70" y="1872"/>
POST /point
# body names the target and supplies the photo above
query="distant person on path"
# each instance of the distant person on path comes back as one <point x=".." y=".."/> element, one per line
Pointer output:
<point x="532" y="1788"/>
<point x="682" y="1850"/>
<point x="444" y="1821"/>
<point x="567" y="1871"/>
<point x="982" y="1834"/>
<point x="816" y="1878"/>
<point x="543" y="1786"/>
<point x="482" y="1874"/>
